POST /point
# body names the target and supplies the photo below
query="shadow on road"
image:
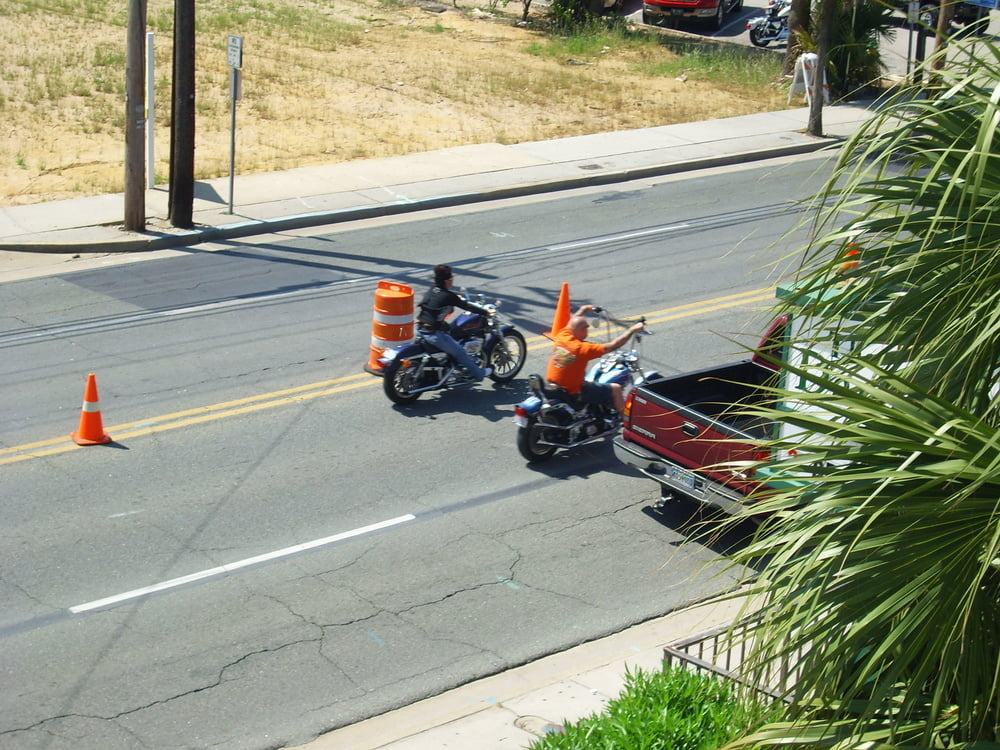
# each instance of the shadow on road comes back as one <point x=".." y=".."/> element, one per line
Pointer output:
<point x="710" y="529"/>
<point x="582" y="462"/>
<point x="491" y="401"/>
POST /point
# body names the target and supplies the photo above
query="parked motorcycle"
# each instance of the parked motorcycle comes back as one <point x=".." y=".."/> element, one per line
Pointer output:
<point x="551" y="419"/>
<point x="772" y="27"/>
<point x="419" y="367"/>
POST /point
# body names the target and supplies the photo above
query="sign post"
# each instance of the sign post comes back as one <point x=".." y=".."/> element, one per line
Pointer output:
<point x="912" y="16"/>
<point x="234" y="55"/>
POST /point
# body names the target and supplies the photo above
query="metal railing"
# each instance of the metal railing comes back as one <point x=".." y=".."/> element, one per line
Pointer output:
<point x="722" y="651"/>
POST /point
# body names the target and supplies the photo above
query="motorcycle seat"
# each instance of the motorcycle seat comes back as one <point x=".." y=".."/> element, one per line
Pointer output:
<point x="561" y="394"/>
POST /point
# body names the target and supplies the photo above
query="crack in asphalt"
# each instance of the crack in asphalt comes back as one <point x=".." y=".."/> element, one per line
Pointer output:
<point x="220" y="680"/>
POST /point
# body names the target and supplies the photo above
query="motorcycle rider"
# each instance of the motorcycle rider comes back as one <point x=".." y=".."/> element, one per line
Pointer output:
<point x="435" y="307"/>
<point x="571" y="353"/>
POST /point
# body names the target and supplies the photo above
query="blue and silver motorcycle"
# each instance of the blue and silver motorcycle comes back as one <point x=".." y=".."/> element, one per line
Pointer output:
<point x="420" y="367"/>
<point x="552" y="419"/>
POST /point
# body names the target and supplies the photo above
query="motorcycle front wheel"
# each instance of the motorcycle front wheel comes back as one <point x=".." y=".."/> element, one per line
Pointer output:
<point x="528" y="445"/>
<point x="398" y="382"/>
<point x="757" y="37"/>
<point x="507" y="356"/>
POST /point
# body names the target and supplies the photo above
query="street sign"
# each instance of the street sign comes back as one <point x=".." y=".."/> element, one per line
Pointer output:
<point x="234" y="54"/>
<point x="234" y="51"/>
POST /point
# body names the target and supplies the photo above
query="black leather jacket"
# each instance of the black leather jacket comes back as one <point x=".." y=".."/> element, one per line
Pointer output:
<point x="437" y="305"/>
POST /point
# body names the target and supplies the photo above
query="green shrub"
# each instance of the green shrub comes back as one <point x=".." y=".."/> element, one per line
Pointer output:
<point x="675" y="709"/>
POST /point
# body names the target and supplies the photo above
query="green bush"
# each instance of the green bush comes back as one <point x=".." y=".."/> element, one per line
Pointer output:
<point x="675" y="709"/>
<point x="574" y="16"/>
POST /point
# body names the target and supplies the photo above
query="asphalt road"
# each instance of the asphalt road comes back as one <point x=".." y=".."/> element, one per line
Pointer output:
<point x="270" y="549"/>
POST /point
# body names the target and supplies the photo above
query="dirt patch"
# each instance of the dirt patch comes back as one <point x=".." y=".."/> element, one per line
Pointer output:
<point x="327" y="83"/>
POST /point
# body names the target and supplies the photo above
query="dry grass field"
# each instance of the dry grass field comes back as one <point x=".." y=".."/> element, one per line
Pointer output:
<point x="332" y="80"/>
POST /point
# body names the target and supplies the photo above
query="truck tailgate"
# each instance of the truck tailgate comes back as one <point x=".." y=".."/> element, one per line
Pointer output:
<point x="691" y="439"/>
<point x="692" y="421"/>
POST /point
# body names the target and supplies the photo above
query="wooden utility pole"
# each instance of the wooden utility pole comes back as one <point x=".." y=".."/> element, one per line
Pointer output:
<point x="828" y="11"/>
<point x="181" y="198"/>
<point x="135" y="119"/>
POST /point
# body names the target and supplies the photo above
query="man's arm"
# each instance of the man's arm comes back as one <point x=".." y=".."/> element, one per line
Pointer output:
<point x="617" y="343"/>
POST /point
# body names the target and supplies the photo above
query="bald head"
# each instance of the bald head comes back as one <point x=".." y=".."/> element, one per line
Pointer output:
<point x="578" y="326"/>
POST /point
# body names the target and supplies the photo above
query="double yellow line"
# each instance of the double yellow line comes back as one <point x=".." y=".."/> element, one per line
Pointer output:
<point x="201" y="414"/>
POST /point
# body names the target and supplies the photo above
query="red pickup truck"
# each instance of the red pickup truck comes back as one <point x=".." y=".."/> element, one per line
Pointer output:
<point x="712" y="12"/>
<point x="679" y="430"/>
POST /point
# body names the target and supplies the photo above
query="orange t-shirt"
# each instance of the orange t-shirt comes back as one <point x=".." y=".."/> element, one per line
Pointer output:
<point x="568" y="363"/>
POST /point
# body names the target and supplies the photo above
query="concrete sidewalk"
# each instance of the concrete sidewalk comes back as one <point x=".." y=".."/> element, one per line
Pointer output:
<point x="312" y="196"/>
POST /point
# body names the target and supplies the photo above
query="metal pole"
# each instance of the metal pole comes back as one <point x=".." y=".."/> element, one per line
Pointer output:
<point x="909" y="48"/>
<point x="234" y="84"/>
<point x="150" y="113"/>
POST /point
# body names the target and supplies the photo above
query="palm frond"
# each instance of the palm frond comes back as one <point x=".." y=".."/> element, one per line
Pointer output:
<point x="892" y="496"/>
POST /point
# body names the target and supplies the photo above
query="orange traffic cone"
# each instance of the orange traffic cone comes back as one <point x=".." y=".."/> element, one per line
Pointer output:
<point x="562" y="315"/>
<point x="853" y="256"/>
<point x="91" y="430"/>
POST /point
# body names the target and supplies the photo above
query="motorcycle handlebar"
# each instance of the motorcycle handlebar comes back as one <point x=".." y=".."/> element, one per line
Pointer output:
<point x="600" y="310"/>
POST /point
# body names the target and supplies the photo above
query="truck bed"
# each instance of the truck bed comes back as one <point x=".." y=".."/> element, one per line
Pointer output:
<point x="716" y="394"/>
<point x="681" y="430"/>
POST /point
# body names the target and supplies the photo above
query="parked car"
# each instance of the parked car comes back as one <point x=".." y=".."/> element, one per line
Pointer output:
<point x="712" y="12"/>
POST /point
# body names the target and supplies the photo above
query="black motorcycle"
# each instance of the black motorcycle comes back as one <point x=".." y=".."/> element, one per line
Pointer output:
<point x="412" y="369"/>
<point x="551" y="419"/>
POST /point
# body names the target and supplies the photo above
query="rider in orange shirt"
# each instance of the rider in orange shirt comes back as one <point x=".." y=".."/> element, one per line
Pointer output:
<point x="571" y="353"/>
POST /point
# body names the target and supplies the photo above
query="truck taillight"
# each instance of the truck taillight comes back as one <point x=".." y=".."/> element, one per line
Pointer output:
<point x="627" y="410"/>
<point x="761" y="457"/>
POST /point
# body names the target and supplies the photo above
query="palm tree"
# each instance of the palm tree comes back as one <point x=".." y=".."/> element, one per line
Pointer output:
<point x="799" y="22"/>
<point x="845" y="35"/>
<point x="879" y="567"/>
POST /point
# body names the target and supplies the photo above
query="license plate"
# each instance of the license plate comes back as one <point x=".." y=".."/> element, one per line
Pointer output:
<point x="521" y="421"/>
<point x="677" y="11"/>
<point x="682" y="477"/>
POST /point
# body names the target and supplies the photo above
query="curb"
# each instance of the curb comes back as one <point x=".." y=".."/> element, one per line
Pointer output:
<point x="145" y="242"/>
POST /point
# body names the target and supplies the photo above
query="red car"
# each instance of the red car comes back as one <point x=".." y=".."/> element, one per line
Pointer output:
<point x="712" y="12"/>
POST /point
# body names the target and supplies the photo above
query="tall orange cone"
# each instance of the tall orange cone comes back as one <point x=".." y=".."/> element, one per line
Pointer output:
<point x="562" y="315"/>
<point x="91" y="430"/>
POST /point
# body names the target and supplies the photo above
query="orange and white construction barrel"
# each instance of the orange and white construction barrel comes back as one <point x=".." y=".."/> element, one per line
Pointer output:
<point x="393" y="321"/>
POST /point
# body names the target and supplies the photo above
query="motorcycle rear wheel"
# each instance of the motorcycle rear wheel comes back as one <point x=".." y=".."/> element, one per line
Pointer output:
<point x="757" y="39"/>
<point x="507" y="356"/>
<point x="397" y="380"/>
<point x="529" y="447"/>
